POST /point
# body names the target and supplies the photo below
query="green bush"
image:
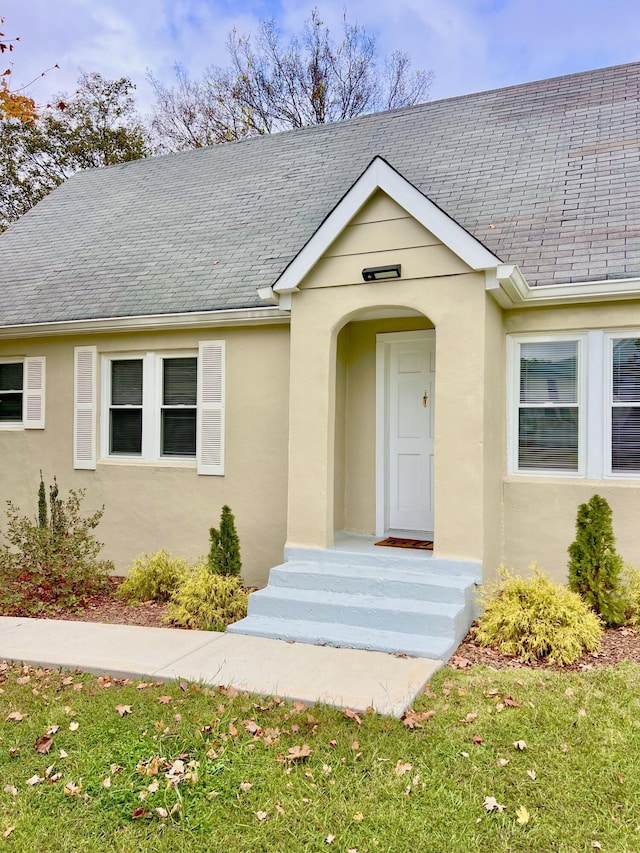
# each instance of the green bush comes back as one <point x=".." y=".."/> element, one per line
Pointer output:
<point x="595" y="565"/>
<point x="208" y="602"/>
<point x="536" y="618"/>
<point x="154" y="577"/>
<point x="631" y="595"/>
<point x="52" y="561"/>
<point x="224" y="554"/>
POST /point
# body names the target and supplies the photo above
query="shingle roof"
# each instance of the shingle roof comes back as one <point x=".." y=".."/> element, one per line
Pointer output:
<point x="546" y="175"/>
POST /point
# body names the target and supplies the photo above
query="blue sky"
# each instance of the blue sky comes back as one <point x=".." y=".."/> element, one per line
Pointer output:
<point x="470" y="45"/>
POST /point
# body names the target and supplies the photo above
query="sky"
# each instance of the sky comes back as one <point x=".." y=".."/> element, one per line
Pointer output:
<point x="470" y="45"/>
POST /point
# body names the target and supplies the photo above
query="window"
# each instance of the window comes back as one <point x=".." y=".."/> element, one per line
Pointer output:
<point x="548" y="412"/>
<point x="11" y="379"/>
<point x="22" y="393"/>
<point x="625" y="405"/>
<point x="152" y="406"/>
<point x="155" y="407"/>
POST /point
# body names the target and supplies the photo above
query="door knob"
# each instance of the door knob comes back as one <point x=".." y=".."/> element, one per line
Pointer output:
<point x="425" y="399"/>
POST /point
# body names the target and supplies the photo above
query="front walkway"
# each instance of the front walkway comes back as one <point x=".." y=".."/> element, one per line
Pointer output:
<point x="348" y="678"/>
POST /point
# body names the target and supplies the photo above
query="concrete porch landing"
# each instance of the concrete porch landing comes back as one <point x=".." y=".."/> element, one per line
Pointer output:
<point x="362" y="596"/>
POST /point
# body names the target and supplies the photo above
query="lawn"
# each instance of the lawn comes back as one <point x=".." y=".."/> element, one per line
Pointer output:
<point x="128" y="766"/>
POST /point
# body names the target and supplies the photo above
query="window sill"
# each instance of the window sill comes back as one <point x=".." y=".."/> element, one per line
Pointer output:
<point x="149" y="463"/>
<point x="12" y="427"/>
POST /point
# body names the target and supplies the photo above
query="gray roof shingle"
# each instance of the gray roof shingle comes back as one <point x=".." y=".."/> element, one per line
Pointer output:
<point x="553" y="165"/>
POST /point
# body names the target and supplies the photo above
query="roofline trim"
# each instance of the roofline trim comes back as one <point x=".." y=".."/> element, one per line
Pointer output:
<point x="379" y="175"/>
<point x="510" y="289"/>
<point x="150" y="322"/>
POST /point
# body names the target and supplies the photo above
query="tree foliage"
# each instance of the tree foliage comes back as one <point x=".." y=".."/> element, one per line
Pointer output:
<point x="595" y="565"/>
<point x="270" y="85"/>
<point x="96" y="126"/>
<point x="13" y="104"/>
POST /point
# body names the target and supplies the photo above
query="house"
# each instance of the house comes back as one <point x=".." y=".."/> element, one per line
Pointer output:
<point x="423" y="322"/>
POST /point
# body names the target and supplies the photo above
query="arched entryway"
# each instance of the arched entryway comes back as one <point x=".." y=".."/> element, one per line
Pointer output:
<point x="384" y="424"/>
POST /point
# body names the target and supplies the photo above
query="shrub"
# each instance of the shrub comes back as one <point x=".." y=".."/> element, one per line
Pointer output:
<point x="631" y="594"/>
<point x="208" y="602"/>
<point x="154" y="577"/>
<point x="52" y="561"/>
<point x="224" y="554"/>
<point x="536" y="618"/>
<point x="595" y="565"/>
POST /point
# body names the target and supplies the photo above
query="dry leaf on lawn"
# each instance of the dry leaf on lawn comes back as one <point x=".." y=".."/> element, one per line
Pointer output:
<point x="17" y="716"/>
<point x="298" y="753"/>
<point x="43" y="745"/>
<point x="522" y="815"/>
<point x="492" y="805"/>
<point x="123" y="710"/>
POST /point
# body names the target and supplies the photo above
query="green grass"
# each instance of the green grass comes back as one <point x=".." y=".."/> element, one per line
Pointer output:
<point x="582" y="734"/>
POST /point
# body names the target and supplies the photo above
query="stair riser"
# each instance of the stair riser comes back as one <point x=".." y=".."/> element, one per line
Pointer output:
<point x="383" y="619"/>
<point x="382" y="588"/>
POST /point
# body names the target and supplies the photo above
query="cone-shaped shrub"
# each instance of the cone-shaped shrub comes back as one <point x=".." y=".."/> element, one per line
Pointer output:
<point x="224" y="554"/>
<point x="595" y="565"/>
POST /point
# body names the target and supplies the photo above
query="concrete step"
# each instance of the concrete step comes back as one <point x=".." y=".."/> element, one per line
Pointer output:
<point x="335" y="634"/>
<point x="389" y="557"/>
<point x="363" y="611"/>
<point x="410" y="582"/>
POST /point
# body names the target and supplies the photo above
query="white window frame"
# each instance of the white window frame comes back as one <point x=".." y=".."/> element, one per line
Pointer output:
<point x="33" y="392"/>
<point x="514" y="343"/>
<point x="608" y="404"/>
<point x="152" y="363"/>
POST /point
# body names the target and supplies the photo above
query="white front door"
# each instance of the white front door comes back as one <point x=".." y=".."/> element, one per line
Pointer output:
<point x="410" y="387"/>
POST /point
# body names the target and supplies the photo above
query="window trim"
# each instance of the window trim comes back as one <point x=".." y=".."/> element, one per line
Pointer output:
<point x="152" y="387"/>
<point x="609" y="338"/>
<point x="514" y="343"/>
<point x="15" y="425"/>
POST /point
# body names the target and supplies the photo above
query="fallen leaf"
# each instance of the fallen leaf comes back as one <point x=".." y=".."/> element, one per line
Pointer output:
<point x="164" y="700"/>
<point x="153" y="787"/>
<point x="162" y="812"/>
<point x="17" y="716"/>
<point x="471" y="716"/>
<point x="596" y="845"/>
<point x="64" y="754"/>
<point x="358" y="817"/>
<point x="71" y="789"/>
<point x="8" y="831"/>
<point x="522" y="815"/>
<point x="329" y="839"/>
<point x="531" y="774"/>
<point x="34" y="780"/>
<point x="246" y="786"/>
<point x="52" y="730"/>
<point x="43" y="745"/>
<point x="512" y="703"/>
<point x="73" y="726"/>
<point x="106" y="783"/>
<point x="477" y="739"/>
<point x="520" y="745"/>
<point x="141" y="812"/>
<point x="352" y="715"/>
<point x="262" y="815"/>
<point x="123" y="710"/>
<point x="298" y="753"/>
<point x="502" y="762"/>
<point x="402" y="768"/>
<point x="10" y="789"/>
<point x="464" y="754"/>
<point x="492" y="805"/>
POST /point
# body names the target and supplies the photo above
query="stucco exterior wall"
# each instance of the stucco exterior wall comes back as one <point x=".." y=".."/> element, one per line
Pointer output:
<point x="540" y="511"/>
<point x="149" y="506"/>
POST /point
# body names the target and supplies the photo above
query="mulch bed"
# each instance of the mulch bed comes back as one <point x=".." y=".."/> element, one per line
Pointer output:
<point x="618" y="644"/>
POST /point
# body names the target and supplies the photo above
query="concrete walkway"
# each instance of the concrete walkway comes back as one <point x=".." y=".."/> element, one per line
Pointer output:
<point x="348" y="678"/>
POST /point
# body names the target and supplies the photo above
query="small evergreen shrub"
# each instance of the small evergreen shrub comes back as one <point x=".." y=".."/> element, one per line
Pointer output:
<point x="536" y="618"/>
<point x="595" y="565"/>
<point x="224" y="554"/>
<point x="154" y="577"/>
<point x="52" y="561"/>
<point x="631" y="595"/>
<point x="208" y="602"/>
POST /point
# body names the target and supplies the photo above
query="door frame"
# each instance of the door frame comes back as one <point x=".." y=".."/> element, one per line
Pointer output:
<point x="383" y="341"/>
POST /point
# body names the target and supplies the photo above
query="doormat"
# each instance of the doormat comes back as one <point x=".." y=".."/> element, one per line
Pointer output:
<point x="395" y="542"/>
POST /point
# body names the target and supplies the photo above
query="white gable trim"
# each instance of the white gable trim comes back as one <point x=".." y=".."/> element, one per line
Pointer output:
<point x="381" y="176"/>
<point x="510" y="289"/>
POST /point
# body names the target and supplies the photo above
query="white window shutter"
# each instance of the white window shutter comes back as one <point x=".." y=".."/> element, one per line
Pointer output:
<point x="211" y="393"/>
<point x="84" y="409"/>
<point x="34" y="388"/>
